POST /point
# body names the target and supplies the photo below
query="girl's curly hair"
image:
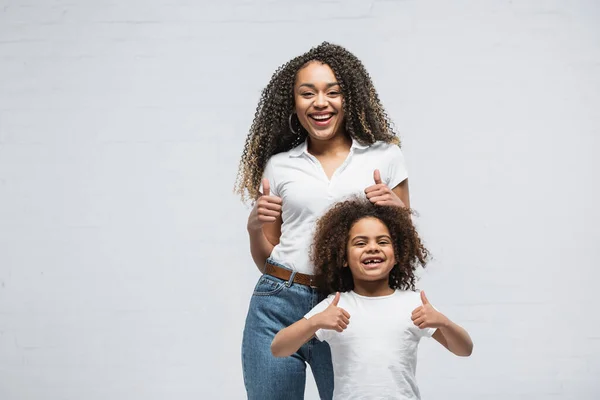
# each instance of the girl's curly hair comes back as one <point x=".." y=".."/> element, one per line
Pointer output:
<point x="365" y="118"/>
<point x="329" y="247"/>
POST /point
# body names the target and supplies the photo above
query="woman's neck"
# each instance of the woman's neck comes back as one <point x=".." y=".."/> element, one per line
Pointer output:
<point x="340" y="143"/>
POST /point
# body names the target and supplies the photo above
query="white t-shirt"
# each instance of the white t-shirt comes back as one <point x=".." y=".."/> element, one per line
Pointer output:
<point x="375" y="357"/>
<point x="299" y="179"/>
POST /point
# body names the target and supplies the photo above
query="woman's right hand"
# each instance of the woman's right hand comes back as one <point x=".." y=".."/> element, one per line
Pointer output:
<point x="266" y="210"/>
<point x="333" y="317"/>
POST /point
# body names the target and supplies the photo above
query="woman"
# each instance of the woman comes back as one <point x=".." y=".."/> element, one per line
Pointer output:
<point x="320" y="134"/>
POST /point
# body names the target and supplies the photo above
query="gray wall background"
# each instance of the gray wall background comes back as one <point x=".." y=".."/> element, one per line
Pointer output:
<point x="124" y="264"/>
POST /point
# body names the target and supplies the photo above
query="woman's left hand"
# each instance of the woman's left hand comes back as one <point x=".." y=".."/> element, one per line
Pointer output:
<point x="425" y="316"/>
<point x="381" y="195"/>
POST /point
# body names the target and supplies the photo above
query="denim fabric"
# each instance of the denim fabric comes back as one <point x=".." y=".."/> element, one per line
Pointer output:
<point x="277" y="304"/>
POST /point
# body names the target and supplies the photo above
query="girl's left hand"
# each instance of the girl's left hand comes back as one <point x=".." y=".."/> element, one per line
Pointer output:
<point x="426" y="316"/>
<point x="380" y="194"/>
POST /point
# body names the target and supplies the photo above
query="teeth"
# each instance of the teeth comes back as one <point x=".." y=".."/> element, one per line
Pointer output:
<point x="377" y="260"/>
<point x="322" y="117"/>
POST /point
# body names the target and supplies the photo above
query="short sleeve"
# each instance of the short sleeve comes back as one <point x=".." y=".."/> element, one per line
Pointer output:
<point x="268" y="173"/>
<point x="397" y="172"/>
<point x="322" y="334"/>
<point x="428" y="332"/>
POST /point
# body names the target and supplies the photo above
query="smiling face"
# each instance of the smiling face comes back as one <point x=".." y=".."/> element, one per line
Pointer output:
<point x="318" y="98"/>
<point x="370" y="252"/>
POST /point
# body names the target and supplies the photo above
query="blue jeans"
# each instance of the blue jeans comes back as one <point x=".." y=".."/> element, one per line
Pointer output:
<point x="275" y="305"/>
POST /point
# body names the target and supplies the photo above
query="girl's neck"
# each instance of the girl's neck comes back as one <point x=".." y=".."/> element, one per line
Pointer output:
<point x="373" y="289"/>
<point x="340" y="143"/>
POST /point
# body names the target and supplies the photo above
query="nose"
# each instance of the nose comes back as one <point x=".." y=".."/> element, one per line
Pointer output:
<point x="372" y="247"/>
<point x="321" y="101"/>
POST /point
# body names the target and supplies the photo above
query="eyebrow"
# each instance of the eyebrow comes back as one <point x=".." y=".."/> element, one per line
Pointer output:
<point x="365" y="237"/>
<point x="310" y="85"/>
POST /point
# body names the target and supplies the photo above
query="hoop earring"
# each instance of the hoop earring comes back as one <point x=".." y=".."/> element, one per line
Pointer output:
<point x="290" y="125"/>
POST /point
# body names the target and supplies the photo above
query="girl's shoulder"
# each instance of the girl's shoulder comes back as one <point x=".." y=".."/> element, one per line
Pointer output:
<point x="344" y="297"/>
<point x="408" y="292"/>
<point x="331" y="296"/>
<point x="411" y="296"/>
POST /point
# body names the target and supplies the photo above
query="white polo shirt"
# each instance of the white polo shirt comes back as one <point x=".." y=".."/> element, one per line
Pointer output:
<point x="299" y="179"/>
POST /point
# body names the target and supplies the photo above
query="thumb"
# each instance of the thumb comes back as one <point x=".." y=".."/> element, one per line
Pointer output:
<point x="424" y="298"/>
<point x="336" y="299"/>
<point x="266" y="187"/>
<point x="377" y="176"/>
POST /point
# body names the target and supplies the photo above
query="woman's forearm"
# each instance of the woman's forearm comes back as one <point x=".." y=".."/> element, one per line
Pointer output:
<point x="260" y="247"/>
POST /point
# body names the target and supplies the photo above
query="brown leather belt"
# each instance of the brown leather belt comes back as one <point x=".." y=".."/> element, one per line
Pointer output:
<point x="282" y="273"/>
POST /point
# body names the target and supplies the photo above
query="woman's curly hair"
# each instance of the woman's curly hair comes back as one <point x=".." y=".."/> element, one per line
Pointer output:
<point x="329" y="247"/>
<point x="365" y="118"/>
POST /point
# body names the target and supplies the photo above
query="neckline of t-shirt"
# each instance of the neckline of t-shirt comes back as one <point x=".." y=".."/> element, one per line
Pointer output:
<point x="387" y="296"/>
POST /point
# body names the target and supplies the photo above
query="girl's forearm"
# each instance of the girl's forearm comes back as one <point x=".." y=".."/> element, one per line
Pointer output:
<point x="290" y="339"/>
<point x="457" y="339"/>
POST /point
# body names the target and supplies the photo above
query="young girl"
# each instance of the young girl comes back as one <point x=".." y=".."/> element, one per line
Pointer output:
<point x="320" y="134"/>
<point x="367" y="256"/>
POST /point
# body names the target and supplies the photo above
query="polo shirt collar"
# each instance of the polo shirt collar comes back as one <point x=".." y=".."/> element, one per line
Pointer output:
<point x="303" y="148"/>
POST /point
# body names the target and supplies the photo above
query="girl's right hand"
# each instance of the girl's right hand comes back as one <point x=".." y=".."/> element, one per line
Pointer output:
<point x="333" y="317"/>
<point x="266" y="210"/>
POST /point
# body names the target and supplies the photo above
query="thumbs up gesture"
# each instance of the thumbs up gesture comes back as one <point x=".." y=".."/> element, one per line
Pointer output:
<point x="425" y="316"/>
<point x="380" y="194"/>
<point x="267" y="208"/>
<point x="333" y="317"/>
